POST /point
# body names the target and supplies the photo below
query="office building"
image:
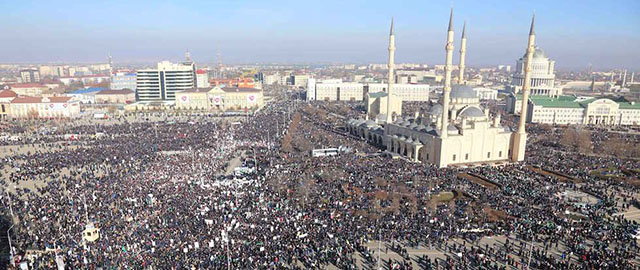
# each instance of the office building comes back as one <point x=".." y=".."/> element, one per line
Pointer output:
<point x="163" y="82"/>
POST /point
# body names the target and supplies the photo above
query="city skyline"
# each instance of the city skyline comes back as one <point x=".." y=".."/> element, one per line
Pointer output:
<point x="573" y="33"/>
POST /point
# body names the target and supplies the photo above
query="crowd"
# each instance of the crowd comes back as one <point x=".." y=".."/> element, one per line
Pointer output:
<point x="157" y="193"/>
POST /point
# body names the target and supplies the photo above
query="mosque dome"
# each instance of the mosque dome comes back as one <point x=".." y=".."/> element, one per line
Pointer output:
<point x="471" y="112"/>
<point x="462" y="91"/>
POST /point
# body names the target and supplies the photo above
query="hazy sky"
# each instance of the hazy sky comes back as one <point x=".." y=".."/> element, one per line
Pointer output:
<point x="574" y="33"/>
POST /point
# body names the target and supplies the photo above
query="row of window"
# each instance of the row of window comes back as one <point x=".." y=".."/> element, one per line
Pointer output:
<point x="466" y="156"/>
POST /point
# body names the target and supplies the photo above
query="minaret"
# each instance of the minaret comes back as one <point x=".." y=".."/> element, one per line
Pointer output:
<point x="463" y="51"/>
<point x="447" y="79"/>
<point x="520" y="137"/>
<point x="624" y="78"/>
<point x="392" y="50"/>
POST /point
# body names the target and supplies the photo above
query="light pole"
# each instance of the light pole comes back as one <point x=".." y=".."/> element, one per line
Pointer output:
<point x="10" y="246"/>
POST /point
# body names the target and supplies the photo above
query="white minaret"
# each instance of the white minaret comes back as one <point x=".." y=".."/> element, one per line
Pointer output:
<point x="624" y="78"/>
<point x="463" y="53"/>
<point x="447" y="79"/>
<point x="392" y="51"/>
<point x="631" y="81"/>
<point x="520" y="137"/>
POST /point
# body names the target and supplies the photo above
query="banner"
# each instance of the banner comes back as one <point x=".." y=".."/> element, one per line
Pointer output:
<point x="216" y="100"/>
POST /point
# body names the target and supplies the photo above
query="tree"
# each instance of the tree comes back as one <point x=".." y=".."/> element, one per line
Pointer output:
<point x="577" y="140"/>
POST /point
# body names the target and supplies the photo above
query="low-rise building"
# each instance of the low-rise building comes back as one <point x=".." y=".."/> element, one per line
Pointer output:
<point x="28" y="89"/>
<point x="219" y="99"/>
<point x="6" y="96"/>
<point x="85" y="79"/>
<point x="86" y="95"/>
<point x="124" y="96"/>
<point x="570" y="110"/>
<point x="43" y="107"/>
<point x="349" y="91"/>
<point x="123" y="80"/>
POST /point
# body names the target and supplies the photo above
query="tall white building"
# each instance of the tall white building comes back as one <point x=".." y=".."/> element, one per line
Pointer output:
<point x="163" y="82"/>
<point x="311" y="89"/>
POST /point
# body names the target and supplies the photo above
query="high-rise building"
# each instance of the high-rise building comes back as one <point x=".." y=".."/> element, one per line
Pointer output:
<point x="163" y="82"/>
<point x="30" y="75"/>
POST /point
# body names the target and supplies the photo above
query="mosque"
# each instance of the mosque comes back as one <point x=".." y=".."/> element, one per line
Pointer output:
<point x="455" y="131"/>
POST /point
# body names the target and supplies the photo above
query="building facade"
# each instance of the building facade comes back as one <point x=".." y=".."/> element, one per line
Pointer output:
<point x="123" y="96"/>
<point x="123" y="80"/>
<point x="30" y="75"/>
<point x="569" y="110"/>
<point x="85" y="79"/>
<point x="219" y="99"/>
<point x="28" y="89"/>
<point x="85" y="96"/>
<point x="6" y="96"/>
<point x="43" y="107"/>
<point x="350" y="91"/>
<point x="163" y="82"/>
<point x="202" y="79"/>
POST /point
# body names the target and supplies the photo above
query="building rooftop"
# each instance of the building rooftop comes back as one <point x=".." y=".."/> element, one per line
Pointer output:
<point x="559" y="102"/>
<point x="27" y="99"/>
<point x="115" y="92"/>
<point x="26" y="85"/>
<point x="7" y="94"/>
<point x="87" y="90"/>
<point x="571" y="102"/>
<point x="236" y="89"/>
<point x="196" y="90"/>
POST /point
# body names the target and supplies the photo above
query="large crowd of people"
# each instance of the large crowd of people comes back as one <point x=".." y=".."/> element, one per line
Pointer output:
<point x="161" y="196"/>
